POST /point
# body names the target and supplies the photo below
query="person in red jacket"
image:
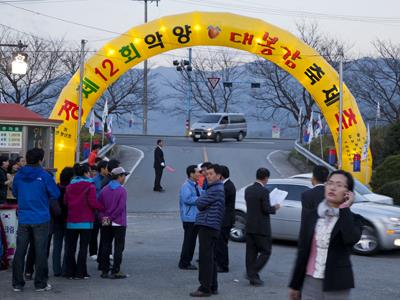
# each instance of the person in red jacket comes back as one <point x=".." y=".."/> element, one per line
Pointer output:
<point x="93" y="155"/>
<point x="80" y="199"/>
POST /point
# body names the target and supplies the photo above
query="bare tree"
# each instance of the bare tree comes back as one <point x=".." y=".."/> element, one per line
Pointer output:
<point x="41" y="85"/>
<point x="281" y="96"/>
<point x="378" y="80"/>
<point x="125" y="96"/>
<point x="205" y="98"/>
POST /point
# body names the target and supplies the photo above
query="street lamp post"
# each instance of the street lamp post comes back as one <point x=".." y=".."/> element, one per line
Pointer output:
<point x="19" y="66"/>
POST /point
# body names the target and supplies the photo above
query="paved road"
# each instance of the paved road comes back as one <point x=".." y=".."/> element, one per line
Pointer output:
<point x="243" y="158"/>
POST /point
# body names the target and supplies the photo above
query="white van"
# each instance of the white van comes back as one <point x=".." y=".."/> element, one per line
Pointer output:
<point x="218" y="126"/>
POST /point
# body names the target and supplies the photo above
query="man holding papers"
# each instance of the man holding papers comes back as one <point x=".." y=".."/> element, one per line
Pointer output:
<point x="258" y="226"/>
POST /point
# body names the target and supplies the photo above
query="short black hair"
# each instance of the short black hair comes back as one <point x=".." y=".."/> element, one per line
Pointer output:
<point x="225" y="171"/>
<point x="102" y="165"/>
<point x="66" y="175"/>
<point x="3" y="159"/>
<point x="320" y="173"/>
<point x="97" y="159"/>
<point x="96" y="146"/>
<point x="206" y="164"/>
<point x="190" y="170"/>
<point x="18" y="159"/>
<point x="34" y="156"/>
<point x="349" y="178"/>
<point x="112" y="164"/>
<point x="262" y="173"/>
<point x="81" y="169"/>
<point x="215" y="167"/>
<point x="159" y="141"/>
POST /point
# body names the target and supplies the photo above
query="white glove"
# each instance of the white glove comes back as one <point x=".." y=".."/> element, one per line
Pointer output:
<point x="162" y="164"/>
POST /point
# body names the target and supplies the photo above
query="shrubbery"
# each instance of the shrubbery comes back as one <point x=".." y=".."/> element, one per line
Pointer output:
<point x="386" y="172"/>
<point x="392" y="189"/>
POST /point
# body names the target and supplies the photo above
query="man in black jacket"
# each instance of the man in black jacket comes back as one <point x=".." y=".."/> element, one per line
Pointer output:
<point x="222" y="252"/>
<point x="311" y="198"/>
<point x="258" y="226"/>
<point x="159" y="165"/>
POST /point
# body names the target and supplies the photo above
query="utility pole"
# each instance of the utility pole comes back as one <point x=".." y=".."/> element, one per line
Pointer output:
<point x="145" y="100"/>
<point x="190" y="91"/>
<point x="81" y="71"/>
<point x="340" y="141"/>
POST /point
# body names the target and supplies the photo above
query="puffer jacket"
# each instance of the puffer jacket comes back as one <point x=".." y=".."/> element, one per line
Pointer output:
<point x="211" y="206"/>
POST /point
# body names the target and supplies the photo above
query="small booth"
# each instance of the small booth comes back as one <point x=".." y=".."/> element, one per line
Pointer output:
<point x="22" y="129"/>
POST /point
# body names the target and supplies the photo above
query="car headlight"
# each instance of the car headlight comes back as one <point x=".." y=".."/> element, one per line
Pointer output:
<point x="209" y="133"/>
<point x="394" y="221"/>
<point x="190" y="132"/>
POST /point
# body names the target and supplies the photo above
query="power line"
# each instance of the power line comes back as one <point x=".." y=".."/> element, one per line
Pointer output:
<point x="294" y="13"/>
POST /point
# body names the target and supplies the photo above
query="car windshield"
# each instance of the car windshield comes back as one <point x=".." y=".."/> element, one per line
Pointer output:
<point x="362" y="189"/>
<point x="209" y="119"/>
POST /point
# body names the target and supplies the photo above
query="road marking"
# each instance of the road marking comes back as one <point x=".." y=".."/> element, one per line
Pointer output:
<point x="136" y="164"/>
<point x="205" y="154"/>
<point x="271" y="163"/>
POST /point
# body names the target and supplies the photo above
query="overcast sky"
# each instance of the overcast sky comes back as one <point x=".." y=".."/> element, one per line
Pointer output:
<point x="358" y="22"/>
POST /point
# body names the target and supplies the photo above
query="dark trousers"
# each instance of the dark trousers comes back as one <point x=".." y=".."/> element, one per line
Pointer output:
<point x="157" y="180"/>
<point x="30" y="257"/>
<point x="258" y="251"/>
<point x="222" y="252"/>
<point x="207" y="264"/>
<point x="76" y="268"/>
<point x="40" y="233"/>
<point x="93" y="245"/>
<point x="58" y="241"/>
<point x="189" y="243"/>
<point x="110" y="233"/>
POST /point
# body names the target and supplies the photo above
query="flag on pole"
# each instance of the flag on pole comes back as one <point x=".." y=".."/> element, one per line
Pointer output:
<point x="92" y="126"/>
<point x="367" y="143"/>
<point x="300" y="116"/>
<point x="378" y="111"/>
<point x="105" y="113"/>
<point x="318" y="130"/>
<point x="109" y="124"/>
<point x="310" y="131"/>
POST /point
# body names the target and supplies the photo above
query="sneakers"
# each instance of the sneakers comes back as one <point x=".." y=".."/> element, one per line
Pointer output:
<point x="18" y="289"/>
<point x="93" y="257"/>
<point x="48" y="287"/>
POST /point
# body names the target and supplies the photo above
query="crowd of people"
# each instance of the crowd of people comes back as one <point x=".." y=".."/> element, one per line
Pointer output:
<point x="89" y="198"/>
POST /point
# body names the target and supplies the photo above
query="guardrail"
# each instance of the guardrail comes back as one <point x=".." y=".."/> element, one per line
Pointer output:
<point x="103" y="151"/>
<point x="312" y="157"/>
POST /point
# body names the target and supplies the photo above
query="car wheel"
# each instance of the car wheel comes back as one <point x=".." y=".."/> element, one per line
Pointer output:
<point x="218" y="138"/>
<point x="195" y="139"/>
<point x="369" y="243"/>
<point x="240" y="137"/>
<point x="238" y="231"/>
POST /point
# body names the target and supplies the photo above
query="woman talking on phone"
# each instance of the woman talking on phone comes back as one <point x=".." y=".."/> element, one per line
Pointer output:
<point x="323" y="269"/>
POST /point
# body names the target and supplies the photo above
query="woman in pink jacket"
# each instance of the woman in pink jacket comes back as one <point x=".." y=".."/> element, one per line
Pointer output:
<point x="80" y="198"/>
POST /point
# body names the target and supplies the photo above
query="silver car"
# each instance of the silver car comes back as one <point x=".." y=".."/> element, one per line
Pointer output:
<point x="359" y="188"/>
<point x="381" y="230"/>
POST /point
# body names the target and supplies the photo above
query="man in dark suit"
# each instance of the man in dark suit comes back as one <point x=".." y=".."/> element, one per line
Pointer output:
<point x="311" y="198"/>
<point x="222" y="253"/>
<point x="258" y="226"/>
<point x="159" y="165"/>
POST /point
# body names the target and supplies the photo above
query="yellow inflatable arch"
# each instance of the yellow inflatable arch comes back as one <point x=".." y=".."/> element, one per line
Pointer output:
<point x="212" y="29"/>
